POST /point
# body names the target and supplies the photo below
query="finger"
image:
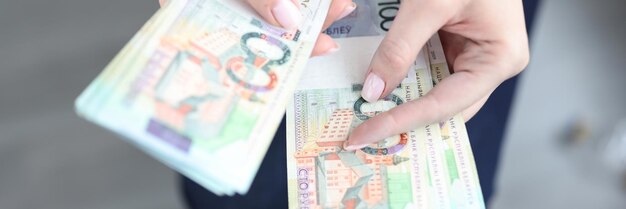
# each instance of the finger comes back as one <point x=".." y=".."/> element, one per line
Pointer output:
<point x="348" y="9"/>
<point x="283" y="13"/>
<point x="415" y="22"/>
<point x="452" y="95"/>
<point x="453" y="45"/>
<point x="474" y="108"/>
<point x="162" y="2"/>
<point x="325" y="45"/>
<point x="338" y="9"/>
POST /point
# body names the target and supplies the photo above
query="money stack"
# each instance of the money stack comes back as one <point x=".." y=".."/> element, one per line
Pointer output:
<point x="203" y="87"/>
<point x="429" y="167"/>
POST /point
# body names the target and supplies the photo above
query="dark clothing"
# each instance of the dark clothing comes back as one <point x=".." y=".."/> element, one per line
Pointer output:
<point x="269" y="189"/>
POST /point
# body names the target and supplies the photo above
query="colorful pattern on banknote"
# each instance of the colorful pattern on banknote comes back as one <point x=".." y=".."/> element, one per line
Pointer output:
<point x="202" y="80"/>
<point x="327" y="176"/>
<point x="373" y="17"/>
<point x="403" y="171"/>
<point x="429" y="167"/>
<point x="206" y="70"/>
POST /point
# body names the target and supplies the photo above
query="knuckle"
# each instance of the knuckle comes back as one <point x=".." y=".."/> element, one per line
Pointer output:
<point x="395" y="54"/>
<point x="521" y="60"/>
<point x="524" y="58"/>
<point x="517" y="61"/>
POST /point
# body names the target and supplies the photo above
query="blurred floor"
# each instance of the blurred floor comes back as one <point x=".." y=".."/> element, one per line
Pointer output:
<point x="49" y="158"/>
<point x="577" y="71"/>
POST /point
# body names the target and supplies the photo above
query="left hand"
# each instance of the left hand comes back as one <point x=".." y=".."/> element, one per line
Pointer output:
<point x="286" y="14"/>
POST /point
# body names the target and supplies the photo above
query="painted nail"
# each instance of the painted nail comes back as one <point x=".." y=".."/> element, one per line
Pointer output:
<point x="373" y="88"/>
<point x="346" y="11"/>
<point x="331" y="50"/>
<point x="287" y="14"/>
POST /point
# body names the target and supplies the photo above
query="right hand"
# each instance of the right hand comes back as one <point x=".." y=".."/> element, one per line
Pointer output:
<point x="485" y="43"/>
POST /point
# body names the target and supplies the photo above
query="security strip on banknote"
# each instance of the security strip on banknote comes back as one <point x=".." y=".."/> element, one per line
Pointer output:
<point x="203" y="87"/>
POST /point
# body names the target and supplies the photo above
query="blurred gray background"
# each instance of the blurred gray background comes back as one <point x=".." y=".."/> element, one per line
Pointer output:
<point x="49" y="158"/>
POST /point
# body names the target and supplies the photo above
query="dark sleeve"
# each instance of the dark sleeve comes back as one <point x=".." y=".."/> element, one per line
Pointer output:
<point x="486" y="129"/>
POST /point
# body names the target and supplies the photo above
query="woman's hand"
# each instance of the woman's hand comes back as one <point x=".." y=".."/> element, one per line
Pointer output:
<point x="286" y="14"/>
<point x="485" y="43"/>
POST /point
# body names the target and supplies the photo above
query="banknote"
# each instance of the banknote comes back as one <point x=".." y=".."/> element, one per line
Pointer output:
<point x="370" y="18"/>
<point x="451" y="172"/>
<point x="409" y="170"/>
<point x="203" y="87"/>
<point x="464" y="184"/>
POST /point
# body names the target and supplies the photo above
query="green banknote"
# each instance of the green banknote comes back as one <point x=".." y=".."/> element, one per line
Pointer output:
<point x="203" y="87"/>
<point x="429" y="167"/>
<point x="434" y="169"/>
<point x="457" y="149"/>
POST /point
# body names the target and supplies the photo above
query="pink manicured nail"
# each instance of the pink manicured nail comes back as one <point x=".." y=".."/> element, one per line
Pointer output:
<point x="372" y="88"/>
<point x="287" y="14"/>
<point x="346" y="11"/>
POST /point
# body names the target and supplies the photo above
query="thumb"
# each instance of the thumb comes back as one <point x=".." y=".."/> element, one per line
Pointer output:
<point x="415" y="22"/>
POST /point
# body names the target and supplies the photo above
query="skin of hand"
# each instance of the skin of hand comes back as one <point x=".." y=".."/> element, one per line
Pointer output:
<point x="485" y="43"/>
<point x="286" y="14"/>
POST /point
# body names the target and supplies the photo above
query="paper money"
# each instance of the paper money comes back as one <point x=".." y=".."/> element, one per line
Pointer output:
<point x="371" y="18"/>
<point x="458" y="152"/>
<point x="320" y="173"/>
<point x="203" y="87"/>
<point x="429" y="167"/>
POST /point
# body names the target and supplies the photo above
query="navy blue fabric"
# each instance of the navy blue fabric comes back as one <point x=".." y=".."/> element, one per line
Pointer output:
<point x="487" y="127"/>
<point x="269" y="189"/>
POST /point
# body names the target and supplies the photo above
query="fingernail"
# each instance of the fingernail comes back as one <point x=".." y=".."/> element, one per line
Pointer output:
<point x="348" y="147"/>
<point x="346" y="11"/>
<point x="373" y="88"/>
<point x="331" y="50"/>
<point x="287" y="14"/>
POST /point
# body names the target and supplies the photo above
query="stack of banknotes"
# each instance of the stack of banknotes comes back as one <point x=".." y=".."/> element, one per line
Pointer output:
<point x="204" y="84"/>
<point x="203" y="87"/>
